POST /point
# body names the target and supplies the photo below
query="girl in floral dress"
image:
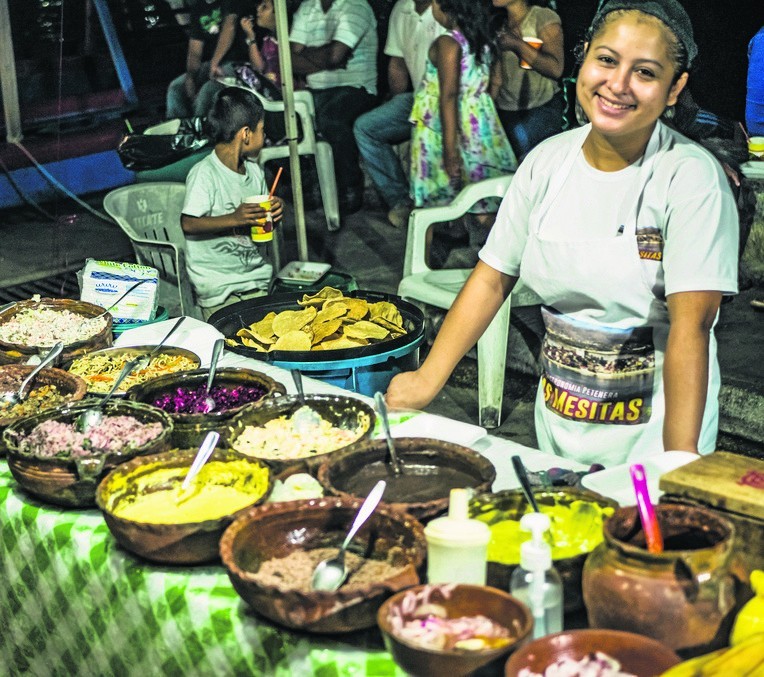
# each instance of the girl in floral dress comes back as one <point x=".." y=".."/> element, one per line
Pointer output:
<point x="457" y="137"/>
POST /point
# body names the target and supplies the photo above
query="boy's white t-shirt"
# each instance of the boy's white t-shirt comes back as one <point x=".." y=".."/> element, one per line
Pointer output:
<point x="220" y="264"/>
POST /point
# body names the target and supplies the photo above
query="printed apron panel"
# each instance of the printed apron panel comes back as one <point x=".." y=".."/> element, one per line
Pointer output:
<point x="595" y="374"/>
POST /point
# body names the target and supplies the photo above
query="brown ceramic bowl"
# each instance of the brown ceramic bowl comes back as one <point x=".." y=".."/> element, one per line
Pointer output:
<point x="184" y="542"/>
<point x="15" y="353"/>
<point x="638" y="655"/>
<point x="354" y="471"/>
<point x="462" y="600"/>
<point x="511" y="505"/>
<point x="191" y="429"/>
<point x="341" y="411"/>
<point x="72" y="482"/>
<point x="278" y="529"/>
<point x="11" y="376"/>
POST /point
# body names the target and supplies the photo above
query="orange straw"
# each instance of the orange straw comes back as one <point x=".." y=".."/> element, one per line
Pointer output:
<point x="275" y="182"/>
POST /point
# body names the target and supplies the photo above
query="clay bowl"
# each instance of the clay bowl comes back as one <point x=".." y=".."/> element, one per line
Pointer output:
<point x="15" y="353"/>
<point x="191" y="429"/>
<point x="511" y="506"/>
<point x="11" y="376"/>
<point x="277" y="529"/>
<point x="184" y="542"/>
<point x="462" y="600"/>
<point x="354" y="471"/>
<point x="339" y="410"/>
<point x="638" y="655"/>
<point x="72" y="482"/>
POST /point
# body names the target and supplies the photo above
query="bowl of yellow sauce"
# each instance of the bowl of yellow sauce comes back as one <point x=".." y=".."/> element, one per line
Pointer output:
<point x="145" y="511"/>
<point x="577" y="516"/>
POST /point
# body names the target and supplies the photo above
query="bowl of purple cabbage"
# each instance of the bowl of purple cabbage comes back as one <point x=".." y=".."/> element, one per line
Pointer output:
<point x="182" y="396"/>
<point x="55" y="462"/>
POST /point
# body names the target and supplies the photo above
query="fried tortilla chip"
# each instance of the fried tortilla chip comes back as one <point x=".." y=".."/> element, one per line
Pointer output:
<point x="387" y="311"/>
<point x="320" y="297"/>
<point x="382" y="322"/>
<point x="232" y="342"/>
<point x="253" y="344"/>
<point x="365" y="330"/>
<point x="292" y="340"/>
<point x="292" y="320"/>
<point x="331" y="312"/>
<point x="357" y="308"/>
<point x="325" y="329"/>
<point x="264" y="327"/>
<point x="341" y="343"/>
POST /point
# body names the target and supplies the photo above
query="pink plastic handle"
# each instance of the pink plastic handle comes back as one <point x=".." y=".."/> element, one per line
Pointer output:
<point x="647" y="514"/>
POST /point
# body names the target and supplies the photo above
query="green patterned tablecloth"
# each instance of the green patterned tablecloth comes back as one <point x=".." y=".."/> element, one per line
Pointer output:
<point x="72" y="602"/>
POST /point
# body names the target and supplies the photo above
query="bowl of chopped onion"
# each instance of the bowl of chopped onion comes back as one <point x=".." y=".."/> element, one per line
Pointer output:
<point x="183" y="396"/>
<point x="56" y="463"/>
<point x="608" y="653"/>
<point x="434" y="630"/>
<point x="270" y="553"/>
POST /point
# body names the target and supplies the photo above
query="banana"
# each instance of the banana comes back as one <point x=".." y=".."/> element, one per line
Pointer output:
<point x="691" y="667"/>
<point x="738" y="660"/>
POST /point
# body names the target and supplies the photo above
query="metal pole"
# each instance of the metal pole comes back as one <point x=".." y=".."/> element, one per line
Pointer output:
<point x="290" y="121"/>
<point x="10" y="89"/>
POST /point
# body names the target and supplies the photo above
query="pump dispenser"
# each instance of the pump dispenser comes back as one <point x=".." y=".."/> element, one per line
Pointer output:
<point x="536" y="582"/>
<point x="457" y="546"/>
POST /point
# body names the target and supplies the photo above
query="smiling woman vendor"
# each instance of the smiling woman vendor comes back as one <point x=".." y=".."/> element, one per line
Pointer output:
<point x="628" y="233"/>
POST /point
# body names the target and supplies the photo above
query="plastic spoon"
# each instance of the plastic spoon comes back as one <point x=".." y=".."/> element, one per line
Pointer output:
<point x="379" y="400"/>
<point x="331" y="573"/>
<point x="646" y="510"/>
<point x="13" y="399"/>
<point x="92" y="417"/>
<point x="304" y="420"/>
<point x="202" y="456"/>
<point x="209" y="403"/>
<point x="522" y="476"/>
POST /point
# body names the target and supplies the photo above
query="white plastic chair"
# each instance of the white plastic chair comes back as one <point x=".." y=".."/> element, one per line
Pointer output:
<point x="149" y="214"/>
<point x="440" y="287"/>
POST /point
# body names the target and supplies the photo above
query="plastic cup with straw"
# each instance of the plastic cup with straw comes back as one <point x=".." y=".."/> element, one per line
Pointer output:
<point x="262" y="231"/>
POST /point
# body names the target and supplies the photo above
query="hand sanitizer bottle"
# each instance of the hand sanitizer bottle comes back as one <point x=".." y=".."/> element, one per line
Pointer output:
<point x="457" y="546"/>
<point x="536" y="582"/>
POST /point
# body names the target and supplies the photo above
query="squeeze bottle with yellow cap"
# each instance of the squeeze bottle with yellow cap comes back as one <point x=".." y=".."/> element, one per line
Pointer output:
<point x="457" y="546"/>
<point x="536" y="582"/>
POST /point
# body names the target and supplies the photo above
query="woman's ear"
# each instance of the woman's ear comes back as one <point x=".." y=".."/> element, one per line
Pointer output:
<point x="676" y="88"/>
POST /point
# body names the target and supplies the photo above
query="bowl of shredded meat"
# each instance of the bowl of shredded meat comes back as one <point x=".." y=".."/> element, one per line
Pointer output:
<point x="271" y="550"/>
<point x="55" y="462"/>
<point x="31" y="327"/>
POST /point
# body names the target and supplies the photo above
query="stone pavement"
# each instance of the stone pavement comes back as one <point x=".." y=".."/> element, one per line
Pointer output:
<point x="35" y="248"/>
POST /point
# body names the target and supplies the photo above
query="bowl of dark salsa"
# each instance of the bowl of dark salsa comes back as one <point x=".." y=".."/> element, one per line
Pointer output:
<point x="430" y="469"/>
<point x="182" y="396"/>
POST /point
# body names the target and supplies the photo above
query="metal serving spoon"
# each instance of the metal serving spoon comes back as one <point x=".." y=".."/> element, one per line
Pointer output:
<point x="19" y="396"/>
<point x="209" y="402"/>
<point x="92" y="417"/>
<point x="202" y="456"/>
<point x="304" y="420"/>
<point x="331" y="573"/>
<point x="379" y="400"/>
<point x="116" y="303"/>
<point x="522" y="476"/>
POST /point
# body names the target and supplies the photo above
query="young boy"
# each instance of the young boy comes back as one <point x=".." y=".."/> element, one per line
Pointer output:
<point x="223" y="263"/>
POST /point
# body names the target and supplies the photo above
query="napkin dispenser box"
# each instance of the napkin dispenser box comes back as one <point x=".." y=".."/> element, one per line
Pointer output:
<point x="733" y="485"/>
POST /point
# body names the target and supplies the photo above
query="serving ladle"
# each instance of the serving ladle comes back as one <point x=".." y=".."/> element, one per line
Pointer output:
<point x="304" y="420"/>
<point x="116" y="303"/>
<point x="12" y="398"/>
<point x="209" y="402"/>
<point x="379" y="400"/>
<point x="331" y="573"/>
<point x="202" y="456"/>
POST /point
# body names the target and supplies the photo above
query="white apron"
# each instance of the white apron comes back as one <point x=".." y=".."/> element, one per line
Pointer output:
<point x="600" y="398"/>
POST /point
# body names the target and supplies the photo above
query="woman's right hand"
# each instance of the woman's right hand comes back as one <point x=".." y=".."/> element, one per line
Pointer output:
<point x="410" y="390"/>
<point x="248" y="26"/>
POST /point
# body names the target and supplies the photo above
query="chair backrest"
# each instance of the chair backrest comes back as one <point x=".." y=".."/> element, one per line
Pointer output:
<point x="421" y="219"/>
<point x="149" y="214"/>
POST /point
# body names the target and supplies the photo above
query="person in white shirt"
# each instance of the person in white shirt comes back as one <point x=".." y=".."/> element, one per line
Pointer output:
<point x="334" y="44"/>
<point x="628" y="232"/>
<point x="411" y="31"/>
<point x="223" y="262"/>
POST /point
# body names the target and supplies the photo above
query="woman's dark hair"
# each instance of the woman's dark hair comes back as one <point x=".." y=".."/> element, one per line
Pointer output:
<point x="232" y="109"/>
<point x="473" y="17"/>
<point x="677" y="50"/>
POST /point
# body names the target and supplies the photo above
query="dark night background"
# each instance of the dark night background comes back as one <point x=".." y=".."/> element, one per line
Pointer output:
<point x="60" y="49"/>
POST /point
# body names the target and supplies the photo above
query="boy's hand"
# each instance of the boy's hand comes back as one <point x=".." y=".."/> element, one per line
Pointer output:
<point x="248" y="214"/>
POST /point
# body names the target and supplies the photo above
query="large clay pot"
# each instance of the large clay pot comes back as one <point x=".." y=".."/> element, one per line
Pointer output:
<point x="680" y="596"/>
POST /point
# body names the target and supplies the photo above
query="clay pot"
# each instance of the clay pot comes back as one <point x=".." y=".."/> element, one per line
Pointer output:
<point x="680" y="596"/>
